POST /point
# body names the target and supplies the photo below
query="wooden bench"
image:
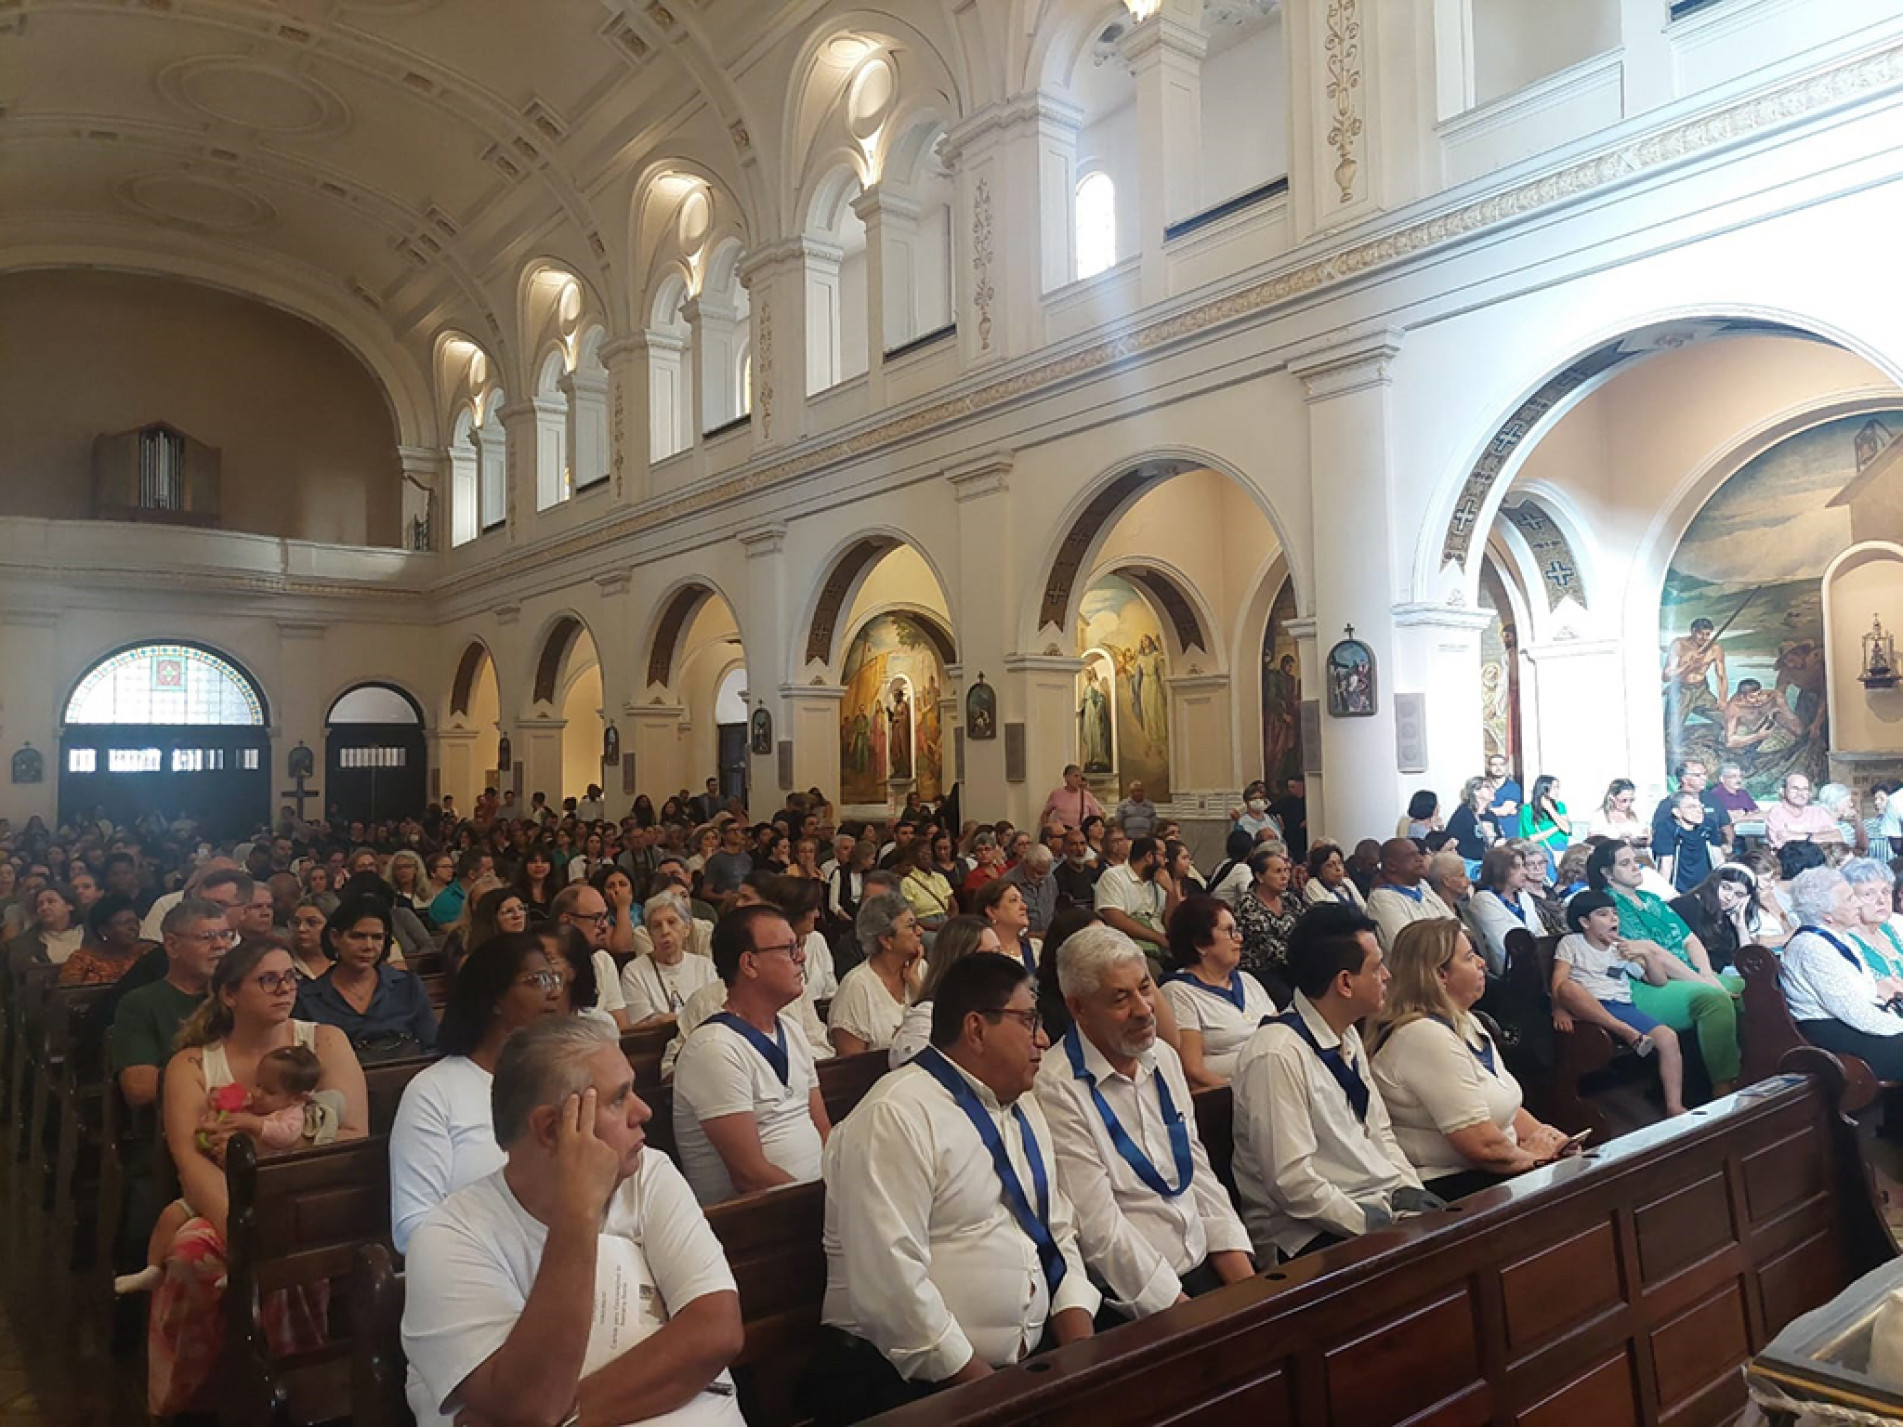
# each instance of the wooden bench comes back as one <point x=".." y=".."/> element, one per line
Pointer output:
<point x="1769" y="1034"/>
<point x="644" y="1049"/>
<point x="1216" y="1128"/>
<point x="1551" y="1065"/>
<point x="296" y="1221"/>
<point x="1629" y="1286"/>
<point x="384" y="1084"/>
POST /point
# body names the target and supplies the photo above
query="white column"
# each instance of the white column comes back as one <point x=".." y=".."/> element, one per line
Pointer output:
<point x="670" y="432"/>
<point x="1350" y="464"/>
<point x="550" y="449"/>
<point x="589" y="454"/>
<point x="884" y="216"/>
<point x="1437" y="655"/>
<point x="1043" y="687"/>
<point x="1333" y="107"/>
<point x="812" y="722"/>
<point x="30" y="712"/>
<point x="523" y="422"/>
<point x="990" y="591"/>
<point x="630" y="421"/>
<point x="538" y="745"/>
<point x="1165" y="53"/>
<point x="825" y="342"/>
<point x="456" y="764"/>
<point x="716" y="362"/>
<point x="1202" y="754"/>
<point x="1014" y="222"/>
<point x="775" y="279"/>
<point x="298" y="702"/>
<point x="1645" y="56"/>
<point x="1308" y="662"/>
<point x="1578" y="721"/>
<point x="768" y="637"/>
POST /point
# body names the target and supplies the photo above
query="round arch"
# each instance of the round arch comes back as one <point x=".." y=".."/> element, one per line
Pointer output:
<point x="1094" y="512"/>
<point x="166" y="727"/>
<point x="469" y="668"/>
<point x="818" y="637"/>
<point x="676" y="610"/>
<point x="376" y="757"/>
<point x="1470" y="490"/>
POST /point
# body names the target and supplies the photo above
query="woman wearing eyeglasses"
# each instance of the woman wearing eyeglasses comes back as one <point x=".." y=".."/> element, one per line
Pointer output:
<point x="246" y="1015"/>
<point x="1217" y="1004"/>
<point x="443" y="1137"/>
<point x="383" y="1009"/>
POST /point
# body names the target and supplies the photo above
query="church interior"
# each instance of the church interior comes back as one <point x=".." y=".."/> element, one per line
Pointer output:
<point x="589" y="429"/>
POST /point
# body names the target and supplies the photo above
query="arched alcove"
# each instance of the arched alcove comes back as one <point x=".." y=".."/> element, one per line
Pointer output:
<point x="376" y="760"/>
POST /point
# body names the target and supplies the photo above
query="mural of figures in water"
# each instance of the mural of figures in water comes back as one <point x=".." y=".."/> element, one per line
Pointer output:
<point x="1281" y="693"/>
<point x="1123" y="691"/>
<point x="888" y="720"/>
<point x="1741" y="621"/>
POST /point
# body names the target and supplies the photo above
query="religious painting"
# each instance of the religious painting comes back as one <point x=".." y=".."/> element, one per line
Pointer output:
<point x="1281" y="694"/>
<point x="1499" y="671"/>
<point x="981" y="711"/>
<point x="28" y="766"/>
<point x="891" y="733"/>
<point x="762" y="736"/>
<point x="1741" y="619"/>
<point x="1122" y="691"/>
<point x="611" y="745"/>
<point x="301" y="762"/>
<point x="1350" y="677"/>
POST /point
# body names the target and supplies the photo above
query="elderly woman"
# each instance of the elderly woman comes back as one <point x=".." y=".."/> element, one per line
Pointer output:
<point x="1456" y="1108"/>
<point x="113" y="943"/>
<point x="1001" y="906"/>
<point x="1504" y="901"/>
<point x="381" y="1009"/>
<point x="1877" y="937"/>
<point x="1217" y="1004"/>
<point x="1328" y="879"/>
<point x="1834" y="998"/>
<point x="247" y="1014"/>
<point x="55" y="933"/>
<point x="870" y="1005"/>
<point x="657" y="983"/>
<point x="1266" y="914"/>
<point x="443" y="1138"/>
<point x="960" y="937"/>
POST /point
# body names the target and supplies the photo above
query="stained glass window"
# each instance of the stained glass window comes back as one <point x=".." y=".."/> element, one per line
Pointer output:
<point x="165" y="684"/>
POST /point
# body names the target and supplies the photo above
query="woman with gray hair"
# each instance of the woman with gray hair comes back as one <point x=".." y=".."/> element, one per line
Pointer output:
<point x="1841" y="803"/>
<point x="870" y="1005"/>
<point x="1875" y="887"/>
<point x="1834" y="998"/>
<point x="657" y="983"/>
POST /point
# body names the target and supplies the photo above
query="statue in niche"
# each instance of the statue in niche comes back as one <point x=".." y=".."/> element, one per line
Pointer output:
<point x="1093" y="724"/>
<point x="899" y="742"/>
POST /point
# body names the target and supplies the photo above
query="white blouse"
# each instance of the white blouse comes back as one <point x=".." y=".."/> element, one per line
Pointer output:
<point x="1434" y="1085"/>
<point x="862" y="1007"/>
<point x="1224" y="1026"/>
<point x="652" y="989"/>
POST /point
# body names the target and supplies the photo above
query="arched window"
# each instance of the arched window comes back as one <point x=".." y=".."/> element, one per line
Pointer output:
<point x="165" y="684"/>
<point x="746" y="383"/>
<point x="1096" y="224"/>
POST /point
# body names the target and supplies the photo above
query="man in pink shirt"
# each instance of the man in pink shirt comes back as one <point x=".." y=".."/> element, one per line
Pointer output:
<point x="1795" y="818"/>
<point x="1069" y="805"/>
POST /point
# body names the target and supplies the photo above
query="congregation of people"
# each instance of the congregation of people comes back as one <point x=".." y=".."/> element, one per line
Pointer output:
<point x="1049" y="1000"/>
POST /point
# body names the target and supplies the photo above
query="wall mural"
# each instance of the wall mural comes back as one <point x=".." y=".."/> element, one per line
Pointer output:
<point x="1741" y="621"/>
<point x="889" y="730"/>
<point x="1281" y="693"/>
<point x="1122" y="697"/>
<point x="1499" y="671"/>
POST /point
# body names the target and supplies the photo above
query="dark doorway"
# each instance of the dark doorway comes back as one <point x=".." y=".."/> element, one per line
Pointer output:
<point x="733" y="761"/>
<point x="376" y="761"/>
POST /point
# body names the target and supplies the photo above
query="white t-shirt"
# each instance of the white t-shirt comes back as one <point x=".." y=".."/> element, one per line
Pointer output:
<point x="473" y="1261"/>
<point x="651" y="989"/>
<point x="1601" y="972"/>
<point x="864" y="1008"/>
<point x="822" y="979"/>
<point x="915" y="1033"/>
<point x="1434" y="1085"/>
<point x="153" y="927"/>
<point x="719" y="1072"/>
<point x="711" y="997"/>
<point x="442" y="1139"/>
<point x="60" y="945"/>
<point x="1224" y="1027"/>
<point x="608" y="997"/>
<point x="1119" y="889"/>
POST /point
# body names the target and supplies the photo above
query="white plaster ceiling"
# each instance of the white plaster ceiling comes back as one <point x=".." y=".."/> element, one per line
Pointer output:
<point x="402" y="155"/>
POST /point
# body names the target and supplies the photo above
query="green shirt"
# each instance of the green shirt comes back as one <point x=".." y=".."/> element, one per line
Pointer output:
<point x="147" y="1024"/>
<point x="1882" y="957"/>
<point x="1644" y="917"/>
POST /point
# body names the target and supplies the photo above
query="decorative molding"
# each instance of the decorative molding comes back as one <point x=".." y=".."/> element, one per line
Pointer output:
<point x="507" y="613"/>
<point x="1043" y="664"/>
<point x="1439" y="616"/>
<point x="1552" y="552"/>
<point x="31" y="619"/>
<point x="1343" y="49"/>
<point x="768" y="539"/>
<point x="615" y="582"/>
<point x="763" y="369"/>
<point x="982" y="292"/>
<point x="296" y="629"/>
<point x="1301" y="629"/>
<point x="1345" y="366"/>
<point x="989" y="474"/>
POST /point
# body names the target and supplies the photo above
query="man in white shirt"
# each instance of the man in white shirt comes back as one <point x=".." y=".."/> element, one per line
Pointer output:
<point x="1136" y="897"/>
<point x="592" y="809"/>
<point x="747" y="1108"/>
<point x="950" y="1247"/>
<point x="1400" y="892"/>
<point x="1154" y="1223"/>
<point x="580" y="1281"/>
<point x="1316" y="1161"/>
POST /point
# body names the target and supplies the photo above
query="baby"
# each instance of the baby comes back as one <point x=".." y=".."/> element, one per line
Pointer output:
<point x="286" y="1110"/>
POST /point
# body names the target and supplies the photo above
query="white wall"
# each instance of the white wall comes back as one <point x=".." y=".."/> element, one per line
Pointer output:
<point x="1245" y="114"/>
<point x="1519" y="41"/>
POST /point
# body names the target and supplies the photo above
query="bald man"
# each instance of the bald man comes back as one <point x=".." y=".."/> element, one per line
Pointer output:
<point x="1401" y="894"/>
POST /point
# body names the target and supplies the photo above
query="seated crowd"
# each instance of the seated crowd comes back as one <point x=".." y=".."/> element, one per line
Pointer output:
<point x="1029" y="1169"/>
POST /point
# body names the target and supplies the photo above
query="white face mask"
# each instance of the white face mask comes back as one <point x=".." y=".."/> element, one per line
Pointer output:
<point x="1258" y="805"/>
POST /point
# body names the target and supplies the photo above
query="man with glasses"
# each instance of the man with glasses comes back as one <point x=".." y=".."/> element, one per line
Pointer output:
<point x="951" y="1250"/>
<point x="580" y="906"/>
<point x="197" y="936"/>
<point x="747" y="1108"/>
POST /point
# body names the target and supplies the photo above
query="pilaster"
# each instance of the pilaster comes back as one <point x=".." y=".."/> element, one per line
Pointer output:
<point x="590" y="454"/>
<point x="1165" y="53"/>
<point x="990" y="586"/>
<point x="630" y="420"/>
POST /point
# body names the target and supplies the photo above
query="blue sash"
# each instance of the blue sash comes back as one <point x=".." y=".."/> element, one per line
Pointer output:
<point x="1845" y="952"/>
<point x="1034" y="1222"/>
<point x="1346" y="1076"/>
<point x="1513" y="906"/>
<point x="1127" y="1147"/>
<point x="1235" y="993"/>
<point x="1411" y="892"/>
<point x="772" y="1051"/>
<point x="1482" y="1052"/>
<point x="1026" y="955"/>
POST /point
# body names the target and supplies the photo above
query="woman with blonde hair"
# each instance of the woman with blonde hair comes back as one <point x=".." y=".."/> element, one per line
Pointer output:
<point x="959" y="938"/>
<point x="1455" y="1106"/>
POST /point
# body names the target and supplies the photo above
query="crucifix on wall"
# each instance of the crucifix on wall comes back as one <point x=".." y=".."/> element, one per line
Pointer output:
<point x="302" y="765"/>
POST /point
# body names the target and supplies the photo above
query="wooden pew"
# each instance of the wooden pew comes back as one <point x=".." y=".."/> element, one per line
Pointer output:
<point x="1216" y="1128"/>
<point x="845" y="1079"/>
<point x="296" y="1221"/>
<point x="1552" y="1065"/>
<point x="1769" y="1034"/>
<point x="644" y="1048"/>
<point x="31" y="986"/>
<point x="385" y="1083"/>
<point x="1628" y="1286"/>
<point x="78" y="1086"/>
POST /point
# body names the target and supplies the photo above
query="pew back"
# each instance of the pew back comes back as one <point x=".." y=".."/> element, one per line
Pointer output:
<point x="1627" y="1287"/>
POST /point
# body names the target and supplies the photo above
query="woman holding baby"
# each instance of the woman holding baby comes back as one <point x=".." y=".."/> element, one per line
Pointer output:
<point x="246" y="1016"/>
